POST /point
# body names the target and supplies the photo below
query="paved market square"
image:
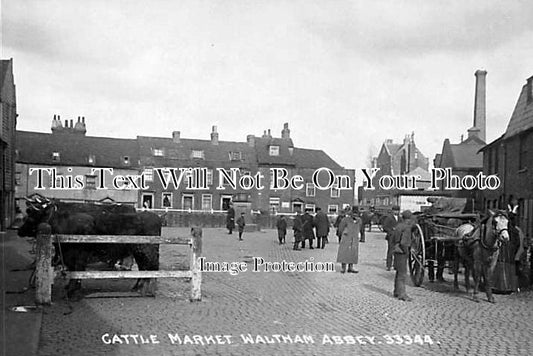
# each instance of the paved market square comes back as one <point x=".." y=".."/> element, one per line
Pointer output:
<point x="285" y="313"/>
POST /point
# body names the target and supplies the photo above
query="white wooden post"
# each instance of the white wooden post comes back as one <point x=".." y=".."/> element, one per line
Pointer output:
<point x="43" y="266"/>
<point x="196" y="280"/>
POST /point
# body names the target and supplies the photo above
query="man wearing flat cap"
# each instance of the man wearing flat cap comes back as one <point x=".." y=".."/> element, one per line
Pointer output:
<point x="389" y="223"/>
<point x="401" y="249"/>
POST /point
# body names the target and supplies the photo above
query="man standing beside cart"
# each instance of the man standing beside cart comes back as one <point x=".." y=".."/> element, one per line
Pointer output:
<point x="401" y="246"/>
<point x="389" y="223"/>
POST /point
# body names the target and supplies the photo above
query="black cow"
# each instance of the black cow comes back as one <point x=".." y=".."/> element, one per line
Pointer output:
<point x="95" y="219"/>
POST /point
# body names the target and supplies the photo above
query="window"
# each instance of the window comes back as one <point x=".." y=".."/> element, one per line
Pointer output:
<point x="209" y="177"/>
<point x="335" y="192"/>
<point x="207" y="201"/>
<point x="148" y="174"/>
<point x="274" y="203"/>
<point x="187" y="201"/>
<point x="90" y="182"/>
<point x="522" y="154"/>
<point x="18" y="175"/>
<point x="198" y="154"/>
<point x="147" y="200"/>
<point x="310" y="206"/>
<point x="166" y="200"/>
<point x="55" y="156"/>
<point x="235" y="156"/>
<point x="224" y="202"/>
<point x="309" y="190"/>
<point x="273" y="151"/>
<point x="333" y="209"/>
<point x="157" y="152"/>
<point x="91" y="159"/>
<point x="126" y="160"/>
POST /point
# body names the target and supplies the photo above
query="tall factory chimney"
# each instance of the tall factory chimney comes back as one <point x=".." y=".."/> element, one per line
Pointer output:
<point x="480" y="118"/>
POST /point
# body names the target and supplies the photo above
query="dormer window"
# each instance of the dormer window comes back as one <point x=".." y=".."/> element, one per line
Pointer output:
<point x="199" y="154"/>
<point x="273" y="151"/>
<point x="157" y="152"/>
<point x="235" y="156"/>
<point x="126" y="160"/>
<point x="55" y="156"/>
<point x="91" y="160"/>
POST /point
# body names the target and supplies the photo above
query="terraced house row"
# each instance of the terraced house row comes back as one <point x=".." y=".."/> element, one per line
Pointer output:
<point x="71" y="165"/>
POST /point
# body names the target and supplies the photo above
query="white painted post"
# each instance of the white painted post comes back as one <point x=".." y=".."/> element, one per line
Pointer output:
<point x="196" y="280"/>
<point x="43" y="266"/>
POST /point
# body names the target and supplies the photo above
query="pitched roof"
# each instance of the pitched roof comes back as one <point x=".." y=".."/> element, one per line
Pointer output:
<point x="182" y="151"/>
<point x="285" y="158"/>
<point x="308" y="158"/>
<point x="418" y="171"/>
<point x="4" y="67"/>
<point x="465" y="155"/>
<point x="392" y="148"/>
<point x="75" y="149"/>
<point x="522" y="117"/>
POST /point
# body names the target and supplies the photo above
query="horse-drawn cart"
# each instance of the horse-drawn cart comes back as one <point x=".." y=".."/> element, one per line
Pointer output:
<point x="434" y="238"/>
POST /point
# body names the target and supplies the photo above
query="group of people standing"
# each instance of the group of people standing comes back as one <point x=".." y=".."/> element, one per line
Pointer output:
<point x="306" y="227"/>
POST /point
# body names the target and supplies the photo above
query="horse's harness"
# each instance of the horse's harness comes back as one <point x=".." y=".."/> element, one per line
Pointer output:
<point x="467" y="238"/>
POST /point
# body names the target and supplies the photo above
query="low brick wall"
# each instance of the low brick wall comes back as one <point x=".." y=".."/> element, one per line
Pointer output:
<point x="180" y="219"/>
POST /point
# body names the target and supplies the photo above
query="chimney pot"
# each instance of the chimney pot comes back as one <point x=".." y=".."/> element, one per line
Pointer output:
<point x="71" y="123"/>
<point x="83" y="119"/>
<point x="176" y="136"/>
<point x="286" y="133"/>
<point x="251" y="140"/>
<point x="66" y="123"/>
<point x="214" y="136"/>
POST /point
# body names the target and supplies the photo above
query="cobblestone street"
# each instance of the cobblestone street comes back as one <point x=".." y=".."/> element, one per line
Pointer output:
<point x="291" y="313"/>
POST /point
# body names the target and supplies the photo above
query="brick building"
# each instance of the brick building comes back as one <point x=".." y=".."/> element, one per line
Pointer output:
<point x="257" y="155"/>
<point x="71" y="153"/>
<point x="203" y="194"/>
<point x="464" y="157"/>
<point x="394" y="159"/>
<point x="510" y="157"/>
<point x="8" y="113"/>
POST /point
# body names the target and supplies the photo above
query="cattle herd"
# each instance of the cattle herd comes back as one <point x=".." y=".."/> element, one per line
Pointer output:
<point x="95" y="219"/>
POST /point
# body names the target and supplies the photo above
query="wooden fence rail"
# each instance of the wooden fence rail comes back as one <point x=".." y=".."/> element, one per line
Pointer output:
<point x="45" y="272"/>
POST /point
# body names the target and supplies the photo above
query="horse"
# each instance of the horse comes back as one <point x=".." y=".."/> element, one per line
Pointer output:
<point x="478" y="248"/>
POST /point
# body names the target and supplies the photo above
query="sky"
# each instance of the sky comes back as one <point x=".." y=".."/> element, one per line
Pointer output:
<point x="345" y="75"/>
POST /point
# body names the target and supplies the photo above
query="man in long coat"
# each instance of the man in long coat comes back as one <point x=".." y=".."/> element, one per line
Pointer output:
<point x="307" y="229"/>
<point x="297" y="230"/>
<point x="348" y="253"/>
<point x="281" y="225"/>
<point x="402" y="243"/>
<point x="321" y="222"/>
<point x="389" y="223"/>
<point x="230" y="218"/>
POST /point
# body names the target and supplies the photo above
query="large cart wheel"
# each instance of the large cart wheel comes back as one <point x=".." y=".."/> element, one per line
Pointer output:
<point x="417" y="256"/>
